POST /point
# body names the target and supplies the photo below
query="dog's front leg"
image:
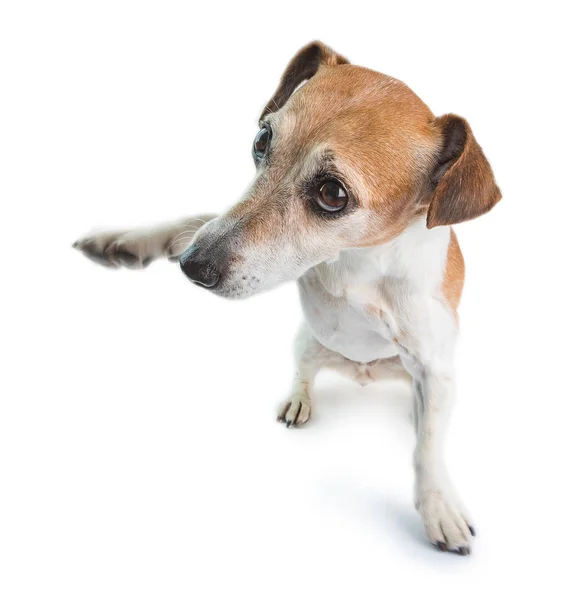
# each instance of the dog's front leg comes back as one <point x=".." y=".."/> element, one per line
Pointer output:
<point x="429" y="359"/>
<point x="447" y="523"/>
<point x="136" y="248"/>
<point x="310" y="357"/>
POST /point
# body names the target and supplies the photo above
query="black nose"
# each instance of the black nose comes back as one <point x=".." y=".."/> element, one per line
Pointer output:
<point x="198" y="270"/>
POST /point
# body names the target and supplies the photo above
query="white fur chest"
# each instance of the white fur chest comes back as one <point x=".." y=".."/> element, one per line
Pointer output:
<point x="358" y="304"/>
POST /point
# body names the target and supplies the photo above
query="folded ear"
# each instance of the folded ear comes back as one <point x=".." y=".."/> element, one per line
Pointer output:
<point x="302" y="67"/>
<point x="463" y="181"/>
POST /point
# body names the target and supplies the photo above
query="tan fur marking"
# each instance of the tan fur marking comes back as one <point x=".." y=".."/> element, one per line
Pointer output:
<point x="454" y="273"/>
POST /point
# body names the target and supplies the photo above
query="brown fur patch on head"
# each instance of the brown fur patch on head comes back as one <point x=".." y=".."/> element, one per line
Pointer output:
<point x="379" y="133"/>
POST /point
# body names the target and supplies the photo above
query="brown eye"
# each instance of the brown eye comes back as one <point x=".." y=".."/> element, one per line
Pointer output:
<point x="331" y="196"/>
<point x="261" y="143"/>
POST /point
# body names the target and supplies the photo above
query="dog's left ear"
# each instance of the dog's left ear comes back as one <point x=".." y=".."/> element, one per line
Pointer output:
<point x="302" y="67"/>
<point x="463" y="181"/>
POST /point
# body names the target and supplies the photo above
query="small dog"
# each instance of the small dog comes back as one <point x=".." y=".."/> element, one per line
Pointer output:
<point x="357" y="186"/>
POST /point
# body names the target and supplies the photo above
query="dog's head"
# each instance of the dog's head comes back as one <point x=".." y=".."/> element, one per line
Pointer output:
<point x="345" y="158"/>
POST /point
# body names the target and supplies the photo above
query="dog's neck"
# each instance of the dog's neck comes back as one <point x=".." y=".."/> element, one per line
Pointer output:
<point x="417" y="256"/>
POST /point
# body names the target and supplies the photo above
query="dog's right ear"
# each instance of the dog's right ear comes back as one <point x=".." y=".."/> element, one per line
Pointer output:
<point x="302" y="67"/>
<point x="463" y="181"/>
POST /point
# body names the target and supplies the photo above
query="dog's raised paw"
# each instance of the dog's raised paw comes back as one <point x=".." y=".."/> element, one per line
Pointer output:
<point x="117" y="249"/>
<point x="295" y="411"/>
<point x="446" y="523"/>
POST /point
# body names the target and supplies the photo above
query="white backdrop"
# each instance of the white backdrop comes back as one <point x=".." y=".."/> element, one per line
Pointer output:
<point x="139" y="453"/>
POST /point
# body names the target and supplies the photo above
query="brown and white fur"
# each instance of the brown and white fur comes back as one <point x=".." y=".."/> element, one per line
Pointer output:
<point x="380" y="281"/>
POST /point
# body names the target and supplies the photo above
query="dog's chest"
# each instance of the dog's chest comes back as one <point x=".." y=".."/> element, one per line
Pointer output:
<point x="360" y="304"/>
<point x="345" y="315"/>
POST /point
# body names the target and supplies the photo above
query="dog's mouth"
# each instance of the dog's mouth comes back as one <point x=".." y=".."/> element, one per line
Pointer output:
<point x="245" y="287"/>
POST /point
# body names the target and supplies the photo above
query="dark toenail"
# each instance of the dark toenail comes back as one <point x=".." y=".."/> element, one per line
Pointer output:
<point x="442" y="546"/>
<point x="472" y="530"/>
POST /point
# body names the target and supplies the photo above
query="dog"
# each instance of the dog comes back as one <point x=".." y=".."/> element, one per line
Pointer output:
<point x="357" y="186"/>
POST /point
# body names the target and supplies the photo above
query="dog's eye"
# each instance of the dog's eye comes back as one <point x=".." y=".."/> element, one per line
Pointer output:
<point x="331" y="196"/>
<point x="261" y="143"/>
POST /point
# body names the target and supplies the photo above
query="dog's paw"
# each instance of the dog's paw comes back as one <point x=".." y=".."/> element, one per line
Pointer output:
<point x="295" y="411"/>
<point x="446" y="522"/>
<point x="118" y="249"/>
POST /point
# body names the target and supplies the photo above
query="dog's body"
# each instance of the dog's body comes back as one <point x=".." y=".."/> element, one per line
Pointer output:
<point x="357" y="186"/>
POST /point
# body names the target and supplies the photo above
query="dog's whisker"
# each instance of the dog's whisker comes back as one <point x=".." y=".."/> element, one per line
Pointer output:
<point x="183" y="239"/>
<point x="199" y="223"/>
<point x="189" y="233"/>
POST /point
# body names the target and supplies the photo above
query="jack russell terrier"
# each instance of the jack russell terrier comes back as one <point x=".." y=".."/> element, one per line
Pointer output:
<point x="357" y="185"/>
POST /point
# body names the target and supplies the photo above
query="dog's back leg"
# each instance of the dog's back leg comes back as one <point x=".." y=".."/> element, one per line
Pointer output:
<point x="136" y="248"/>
